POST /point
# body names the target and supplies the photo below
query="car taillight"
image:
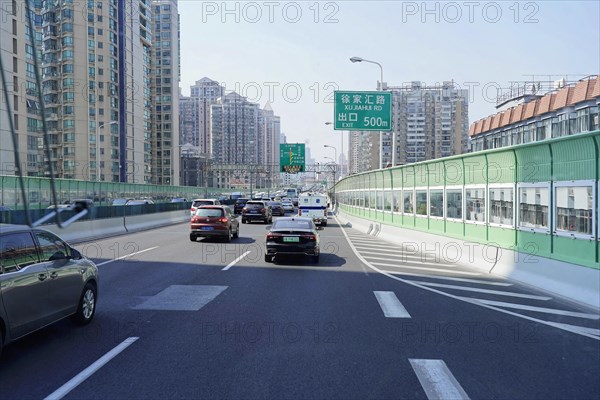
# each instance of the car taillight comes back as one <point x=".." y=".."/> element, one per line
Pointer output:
<point x="310" y="237"/>
<point x="244" y="209"/>
<point x="222" y="219"/>
<point x="195" y="219"/>
<point x="263" y="210"/>
<point x="272" y="236"/>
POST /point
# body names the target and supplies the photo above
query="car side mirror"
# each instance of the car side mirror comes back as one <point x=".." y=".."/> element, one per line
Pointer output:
<point x="75" y="254"/>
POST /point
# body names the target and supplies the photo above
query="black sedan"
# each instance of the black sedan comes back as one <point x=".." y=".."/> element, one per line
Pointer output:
<point x="293" y="236"/>
<point x="276" y="207"/>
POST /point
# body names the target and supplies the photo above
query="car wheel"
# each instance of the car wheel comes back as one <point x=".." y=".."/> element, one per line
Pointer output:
<point x="268" y="258"/>
<point x="315" y="259"/>
<point x="87" y="305"/>
<point x="325" y="223"/>
<point x="1" y="341"/>
<point x="192" y="238"/>
<point x="243" y="221"/>
<point x="236" y="234"/>
<point x="229" y="235"/>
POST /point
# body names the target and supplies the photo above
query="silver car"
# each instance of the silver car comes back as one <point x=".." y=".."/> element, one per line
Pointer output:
<point x="42" y="280"/>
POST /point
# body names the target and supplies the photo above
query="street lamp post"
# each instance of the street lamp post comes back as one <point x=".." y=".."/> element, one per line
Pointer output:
<point x="334" y="166"/>
<point x="343" y="159"/>
<point x="98" y="127"/>
<point x="381" y="88"/>
<point x="335" y="149"/>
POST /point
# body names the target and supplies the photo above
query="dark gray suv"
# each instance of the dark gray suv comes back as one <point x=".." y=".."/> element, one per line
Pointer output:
<point x="42" y="280"/>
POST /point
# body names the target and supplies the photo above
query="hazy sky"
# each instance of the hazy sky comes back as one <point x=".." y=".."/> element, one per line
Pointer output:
<point x="296" y="53"/>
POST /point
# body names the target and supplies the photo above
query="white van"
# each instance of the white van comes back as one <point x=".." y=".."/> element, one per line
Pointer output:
<point x="313" y="205"/>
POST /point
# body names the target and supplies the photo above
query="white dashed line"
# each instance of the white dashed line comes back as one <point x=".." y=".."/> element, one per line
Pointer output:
<point x="390" y="305"/>
<point x="89" y="371"/>
<point x="437" y="380"/>
<point x="231" y="264"/>
<point x="126" y="256"/>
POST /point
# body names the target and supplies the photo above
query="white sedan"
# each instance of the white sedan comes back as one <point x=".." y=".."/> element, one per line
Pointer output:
<point x="287" y="205"/>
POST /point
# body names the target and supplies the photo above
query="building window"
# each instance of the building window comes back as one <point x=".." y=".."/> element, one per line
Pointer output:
<point x="573" y="208"/>
<point x="533" y="207"/>
<point x="501" y="206"/>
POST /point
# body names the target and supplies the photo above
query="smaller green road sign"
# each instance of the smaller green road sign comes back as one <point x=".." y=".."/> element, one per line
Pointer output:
<point x="363" y="111"/>
<point x="291" y="157"/>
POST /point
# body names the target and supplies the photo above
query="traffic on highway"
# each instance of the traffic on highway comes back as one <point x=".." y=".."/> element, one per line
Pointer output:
<point x="236" y="317"/>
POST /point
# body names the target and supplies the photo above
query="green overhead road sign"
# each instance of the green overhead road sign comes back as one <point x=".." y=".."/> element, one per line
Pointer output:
<point x="291" y="157"/>
<point x="363" y="111"/>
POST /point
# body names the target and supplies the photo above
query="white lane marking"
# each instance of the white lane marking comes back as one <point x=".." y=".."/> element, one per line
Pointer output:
<point x="89" y="371"/>
<point x="539" y="309"/>
<point x="582" y="330"/>
<point x="488" y="291"/>
<point x="459" y="298"/>
<point x="448" y="271"/>
<point x="394" y="253"/>
<point x="126" y="256"/>
<point x="451" y="278"/>
<point x="417" y="262"/>
<point x="437" y="380"/>
<point x="390" y="305"/>
<point x="231" y="264"/>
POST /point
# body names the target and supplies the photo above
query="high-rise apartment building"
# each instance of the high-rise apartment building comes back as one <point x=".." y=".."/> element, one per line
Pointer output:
<point x="166" y="73"/>
<point x="195" y="113"/>
<point x="17" y="47"/>
<point x="364" y="151"/>
<point x="234" y="137"/>
<point x="429" y="122"/>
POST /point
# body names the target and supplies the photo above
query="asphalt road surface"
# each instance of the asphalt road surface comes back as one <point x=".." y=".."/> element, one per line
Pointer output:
<point x="209" y="319"/>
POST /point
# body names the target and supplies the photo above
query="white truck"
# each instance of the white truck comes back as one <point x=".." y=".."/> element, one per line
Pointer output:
<point x="313" y="205"/>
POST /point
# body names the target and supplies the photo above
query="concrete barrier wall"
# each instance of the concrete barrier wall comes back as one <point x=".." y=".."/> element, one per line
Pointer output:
<point x="566" y="280"/>
<point x="83" y="231"/>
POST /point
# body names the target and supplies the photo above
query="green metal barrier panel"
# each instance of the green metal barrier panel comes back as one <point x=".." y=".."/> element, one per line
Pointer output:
<point x="513" y="197"/>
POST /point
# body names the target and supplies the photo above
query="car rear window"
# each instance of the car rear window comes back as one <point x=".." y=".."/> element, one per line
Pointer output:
<point x="254" y="205"/>
<point x="209" y="212"/>
<point x="199" y="203"/>
<point x="279" y="224"/>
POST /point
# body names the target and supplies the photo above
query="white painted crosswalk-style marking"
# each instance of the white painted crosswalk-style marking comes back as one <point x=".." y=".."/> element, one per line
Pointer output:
<point x="538" y="309"/>
<point x="391" y="306"/>
<point x="488" y="291"/>
<point x="182" y="298"/>
<point x="437" y="380"/>
<point x="447" y="271"/>
<point x="413" y="261"/>
<point x="450" y="278"/>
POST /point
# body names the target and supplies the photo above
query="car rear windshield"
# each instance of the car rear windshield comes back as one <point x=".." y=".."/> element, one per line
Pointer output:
<point x="199" y="203"/>
<point x="274" y="203"/>
<point x="289" y="224"/>
<point x="241" y="201"/>
<point x="254" y="205"/>
<point x="209" y="212"/>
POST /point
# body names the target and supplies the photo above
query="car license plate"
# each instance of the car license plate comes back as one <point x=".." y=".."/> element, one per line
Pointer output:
<point x="294" y="239"/>
<point x="254" y="212"/>
<point x="207" y="228"/>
